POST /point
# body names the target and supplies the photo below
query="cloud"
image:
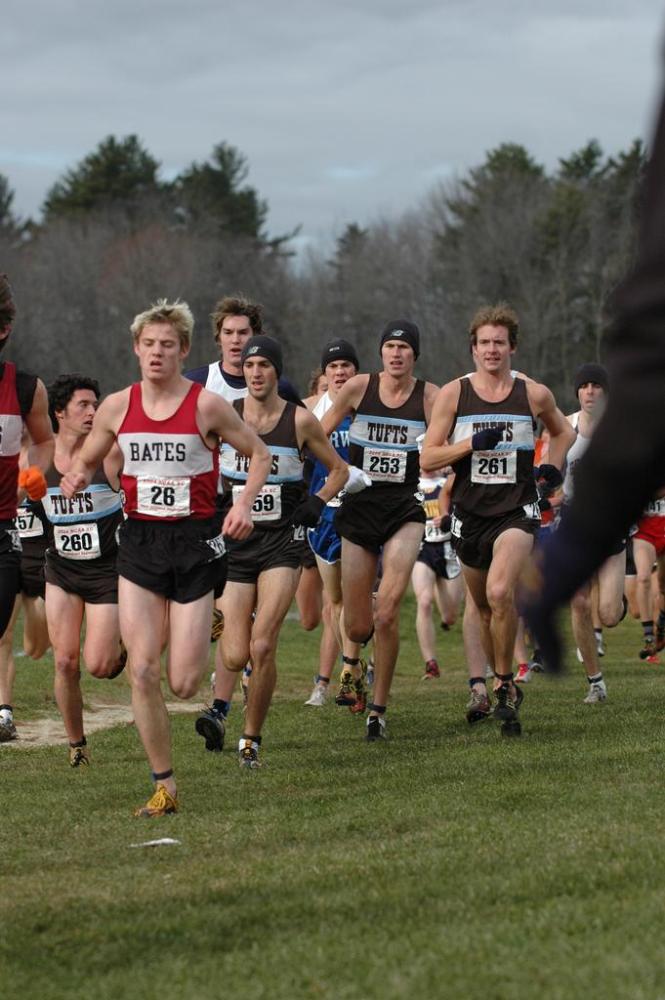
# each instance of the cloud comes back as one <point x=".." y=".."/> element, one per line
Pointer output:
<point x="343" y="110"/>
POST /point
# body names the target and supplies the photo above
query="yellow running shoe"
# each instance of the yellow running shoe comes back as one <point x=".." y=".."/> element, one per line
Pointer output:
<point x="159" y="804"/>
<point x="217" y="626"/>
<point x="79" y="756"/>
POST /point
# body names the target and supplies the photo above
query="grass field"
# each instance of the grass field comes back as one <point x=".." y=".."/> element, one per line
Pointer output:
<point x="445" y="863"/>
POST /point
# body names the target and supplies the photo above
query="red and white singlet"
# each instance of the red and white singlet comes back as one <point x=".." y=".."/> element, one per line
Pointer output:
<point x="11" y="425"/>
<point x="169" y="471"/>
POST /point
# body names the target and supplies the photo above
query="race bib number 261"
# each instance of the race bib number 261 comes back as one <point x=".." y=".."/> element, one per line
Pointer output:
<point x="489" y="467"/>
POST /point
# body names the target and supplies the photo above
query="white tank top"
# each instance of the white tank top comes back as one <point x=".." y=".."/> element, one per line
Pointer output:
<point x="572" y="458"/>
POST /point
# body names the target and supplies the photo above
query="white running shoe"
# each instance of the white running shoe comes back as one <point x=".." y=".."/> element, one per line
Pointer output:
<point x="318" y="696"/>
<point x="597" y="693"/>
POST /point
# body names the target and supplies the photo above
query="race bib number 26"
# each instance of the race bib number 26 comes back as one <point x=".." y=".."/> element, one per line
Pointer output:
<point x="160" y="496"/>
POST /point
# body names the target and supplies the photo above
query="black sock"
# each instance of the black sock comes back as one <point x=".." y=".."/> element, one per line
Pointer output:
<point x="596" y="679"/>
<point x="648" y="631"/>
<point x="221" y="707"/>
<point x="476" y="680"/>
<point x="351" y="661"/>
<point x="661" y="624"/>
<point x="322" y="680"/>
<point x="79" y="743"/>
<point x="252" y="739"/>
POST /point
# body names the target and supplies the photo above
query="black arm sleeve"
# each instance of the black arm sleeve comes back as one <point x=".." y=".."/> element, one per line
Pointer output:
<point x="623" y="466"/>
<point x="25" y="390"/>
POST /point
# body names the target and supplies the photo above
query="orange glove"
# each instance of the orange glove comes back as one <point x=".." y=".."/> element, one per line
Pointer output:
<point x="33" y="482"/>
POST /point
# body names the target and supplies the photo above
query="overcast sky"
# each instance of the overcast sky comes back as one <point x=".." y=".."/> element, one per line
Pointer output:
<point x="345" y="109"/>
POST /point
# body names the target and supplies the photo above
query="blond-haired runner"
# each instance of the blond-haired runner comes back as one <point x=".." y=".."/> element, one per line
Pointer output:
<point x="171" y="557"/>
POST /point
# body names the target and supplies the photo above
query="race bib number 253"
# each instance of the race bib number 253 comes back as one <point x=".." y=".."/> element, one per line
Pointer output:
<point x="385" y="466"/>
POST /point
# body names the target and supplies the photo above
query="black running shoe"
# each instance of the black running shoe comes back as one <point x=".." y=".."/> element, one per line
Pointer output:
<point x="211" y="727"/>
<point x="376" y="729"/>
<point x="478" y="708"/>
<point x="649" y="649"/>
<point x="507" y="705"/>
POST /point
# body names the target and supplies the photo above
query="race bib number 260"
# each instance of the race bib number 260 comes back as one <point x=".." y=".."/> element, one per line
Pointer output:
<point x="77" y="541"/>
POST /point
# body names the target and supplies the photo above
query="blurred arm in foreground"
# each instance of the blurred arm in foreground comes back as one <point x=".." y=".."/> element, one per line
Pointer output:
<point x="623" y="467"/>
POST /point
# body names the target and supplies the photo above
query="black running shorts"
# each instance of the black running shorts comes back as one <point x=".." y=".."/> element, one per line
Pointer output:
<point x="265" y="549"/>
<point x="441" y="558"/>
<point x="182" y="560"/>
<point x="10" y="570"/>
<point x="374" y="515"/>
<point x="95" y="581"/>
<point x="473" y="537"/>
<point x="33" y="558"/>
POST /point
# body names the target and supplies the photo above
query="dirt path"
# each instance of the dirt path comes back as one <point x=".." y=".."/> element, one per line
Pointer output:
<point x="50" y="732"/>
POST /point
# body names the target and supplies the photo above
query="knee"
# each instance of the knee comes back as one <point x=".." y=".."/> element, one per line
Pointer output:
<point x="145" y="677"/>
<point x="358" y="626"/>
<point x="581" y="604"/>
<point x="67" y="665"/>
<point x="610" y="613"/>
<point x="358" y="631"/>
<point x="499" y="597"/>
<point x="35" y="650"/>
<point x="644" y="579"/>
<point x="102" y="666"/>
<point x="235" y="662"/>
<point x="386" y="614"/>
<point x="309" y="619"/>
<point x="425" y="603"/>
<point x="185" y="687"/>
<point x="261" y="648"/>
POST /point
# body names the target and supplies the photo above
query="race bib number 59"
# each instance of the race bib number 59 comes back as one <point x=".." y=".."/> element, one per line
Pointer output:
<point x="159" y="496"/>
<point x="267" y="505"/>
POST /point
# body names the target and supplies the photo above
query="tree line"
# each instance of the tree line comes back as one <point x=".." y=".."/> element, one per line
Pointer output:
<point x="115" y="236"/>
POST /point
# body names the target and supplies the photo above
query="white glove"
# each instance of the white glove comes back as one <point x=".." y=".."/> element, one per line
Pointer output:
<point x="357" y="481"/>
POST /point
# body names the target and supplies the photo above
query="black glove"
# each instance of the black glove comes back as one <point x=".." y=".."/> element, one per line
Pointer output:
<point x="486" y="440"/>
<point x="308" y="513"/>
<point x="446" y="521"/>
<point x="548" y="479"/>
